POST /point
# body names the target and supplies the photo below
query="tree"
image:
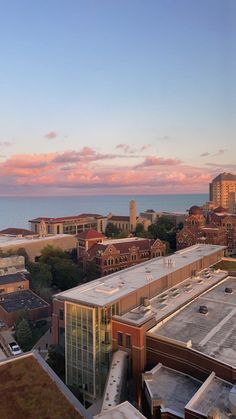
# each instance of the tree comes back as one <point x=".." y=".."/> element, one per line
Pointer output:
<point x="66" y="274"/>
<point x="164" y="230"/>
<point x="112" y="230"/>
<point x="23" y="333"/>
<point x="56" y="361"/>
<point x="24" y="315"/>
<point x="41" y="275"/>
<point x="141" y="232"/>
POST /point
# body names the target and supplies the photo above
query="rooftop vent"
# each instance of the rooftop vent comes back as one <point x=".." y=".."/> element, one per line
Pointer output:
<point x="228" y="290"/>
<point x="146" y="302"/>
<point x="203" y="309"/>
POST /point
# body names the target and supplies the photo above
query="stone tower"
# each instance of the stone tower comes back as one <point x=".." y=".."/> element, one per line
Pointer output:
<point x="132" y="215"/>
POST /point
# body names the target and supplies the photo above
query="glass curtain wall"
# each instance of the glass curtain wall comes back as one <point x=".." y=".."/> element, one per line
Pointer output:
<point x="88" y="347"/>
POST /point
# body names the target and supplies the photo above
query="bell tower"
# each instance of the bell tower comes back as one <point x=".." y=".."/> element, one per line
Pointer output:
<point x="132" y="215"/>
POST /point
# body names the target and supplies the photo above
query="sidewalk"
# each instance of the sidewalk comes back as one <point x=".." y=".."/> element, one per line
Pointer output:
<point x="43" y="344"/>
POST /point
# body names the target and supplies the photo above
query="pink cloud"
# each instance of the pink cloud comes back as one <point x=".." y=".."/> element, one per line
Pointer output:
<point x="78" y="171"/>
<point x="51" y="134"/>
<point x="158" y="161"/>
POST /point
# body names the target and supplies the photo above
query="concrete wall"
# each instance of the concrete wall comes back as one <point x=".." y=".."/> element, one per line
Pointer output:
<point x="33" y="247"/>
<point x="186" y="360"/>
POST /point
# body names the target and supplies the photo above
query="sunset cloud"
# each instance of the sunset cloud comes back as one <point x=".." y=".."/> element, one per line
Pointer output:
<point x="158" y="161"/>
<point x="72" y="171"/>
<point x="51" y="134"/>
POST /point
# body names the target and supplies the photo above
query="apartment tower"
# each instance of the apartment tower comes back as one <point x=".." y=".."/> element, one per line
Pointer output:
<point x="223" y="186"/>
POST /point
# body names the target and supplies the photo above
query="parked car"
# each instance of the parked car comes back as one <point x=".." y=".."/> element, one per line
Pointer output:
<point x="14" y="348"/>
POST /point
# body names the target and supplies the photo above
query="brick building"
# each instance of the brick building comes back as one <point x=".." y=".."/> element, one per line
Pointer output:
<point x="214" y="227"/>
<point x="114" y="255"/>
<point x="15" y="295"/>
<point x="115" y="312"/>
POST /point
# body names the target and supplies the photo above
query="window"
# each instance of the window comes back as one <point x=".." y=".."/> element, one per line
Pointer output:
<point x="61" y="314"/>
<point x="120" y="338"/>
<point x="128" y="341"/>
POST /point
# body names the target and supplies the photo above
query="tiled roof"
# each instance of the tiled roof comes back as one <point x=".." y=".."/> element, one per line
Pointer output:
<point x="123" y="248"/>
<point x="119" y="218"/>
<point x="17" y="231"/>
<point x="70" y="217"/>
<point x="90" y="234"/>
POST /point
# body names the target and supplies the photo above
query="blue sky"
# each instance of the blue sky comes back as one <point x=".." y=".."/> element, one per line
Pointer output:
<point x="100" y="74"/>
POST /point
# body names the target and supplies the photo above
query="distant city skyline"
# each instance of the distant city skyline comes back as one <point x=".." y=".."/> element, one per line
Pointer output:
<point x="101" y="97"/>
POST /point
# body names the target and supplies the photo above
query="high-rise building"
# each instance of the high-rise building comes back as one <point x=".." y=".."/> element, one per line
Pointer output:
<point x="220" y="188"/>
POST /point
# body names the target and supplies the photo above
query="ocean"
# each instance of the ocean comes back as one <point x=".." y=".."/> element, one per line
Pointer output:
<point x="16" y="211"/>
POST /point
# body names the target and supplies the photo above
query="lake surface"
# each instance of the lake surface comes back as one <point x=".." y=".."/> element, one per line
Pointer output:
<point x="16" y="211"/>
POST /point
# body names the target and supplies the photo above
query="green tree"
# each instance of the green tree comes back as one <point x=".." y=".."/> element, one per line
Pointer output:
<point x="23" y="333"/>
<point x="141" y="232"/>
<point x="112" y="230"/>
<point x="56" y="361"/>
<point x="164" y="230"/>
<point x="66" y="274"/>
<point x="41" y="275"/>
<point x="24" y="315"/>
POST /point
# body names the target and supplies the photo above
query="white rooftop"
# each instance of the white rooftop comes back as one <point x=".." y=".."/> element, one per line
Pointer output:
<point x="212" y="333"/>
<point x="14" y="240"/>
<point x="174" y="388"/>
<point x="170" y="300"/>
<point x="115" y="380"/>
<point x="122" y="411"/>
<point x="111" y="288"/>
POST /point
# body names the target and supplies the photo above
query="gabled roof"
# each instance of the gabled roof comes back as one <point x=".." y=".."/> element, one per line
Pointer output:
<point x="122" y="248"/>
<point x="66" y="218"/>
<point x="119" y="218"/>
<point x="220" y="210"/>
<point x="90" y="234"/>
<point x="12" y="231"/>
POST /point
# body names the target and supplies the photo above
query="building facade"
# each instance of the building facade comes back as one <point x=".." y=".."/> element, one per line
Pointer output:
<point x="215" y="227"/>
<point x="70" y="225"/>
<point x="220" y="189"/>
<point x="92" y="315"/>
<point x="114" y="255"/>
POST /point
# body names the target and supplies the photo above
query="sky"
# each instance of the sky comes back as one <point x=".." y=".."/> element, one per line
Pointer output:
<point x="116" y="96"/>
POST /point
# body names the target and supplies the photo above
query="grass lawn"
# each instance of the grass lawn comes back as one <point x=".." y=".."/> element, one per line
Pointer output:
<point x="226" y="265"/>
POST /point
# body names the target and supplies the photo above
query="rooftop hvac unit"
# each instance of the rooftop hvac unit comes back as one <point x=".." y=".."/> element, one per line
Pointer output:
<point x="203" y="309"/>
<point x="146" y="302"/>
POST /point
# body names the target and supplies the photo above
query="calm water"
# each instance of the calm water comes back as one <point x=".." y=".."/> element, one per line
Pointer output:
<point x="15" y="212"/>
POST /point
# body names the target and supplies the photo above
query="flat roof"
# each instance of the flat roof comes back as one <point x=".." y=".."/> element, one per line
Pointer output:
<point x="30" y="389"/>
<point x="10" y="278"/>
<point x="123" y="411"/>
<point x="21" y="300"/>
<point x="171" y="299"/>
<point x="174" y="388"/>
<point x="213" y="333"/>
<point x="111" y="288"/>
<point x="125" y="240"/>
<point x="214" y="396"/>
<point x="115" y="380"/>
<point x="11" y="240"/>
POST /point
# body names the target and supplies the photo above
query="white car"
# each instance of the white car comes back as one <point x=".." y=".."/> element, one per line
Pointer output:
<point x="14" y="348"/>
